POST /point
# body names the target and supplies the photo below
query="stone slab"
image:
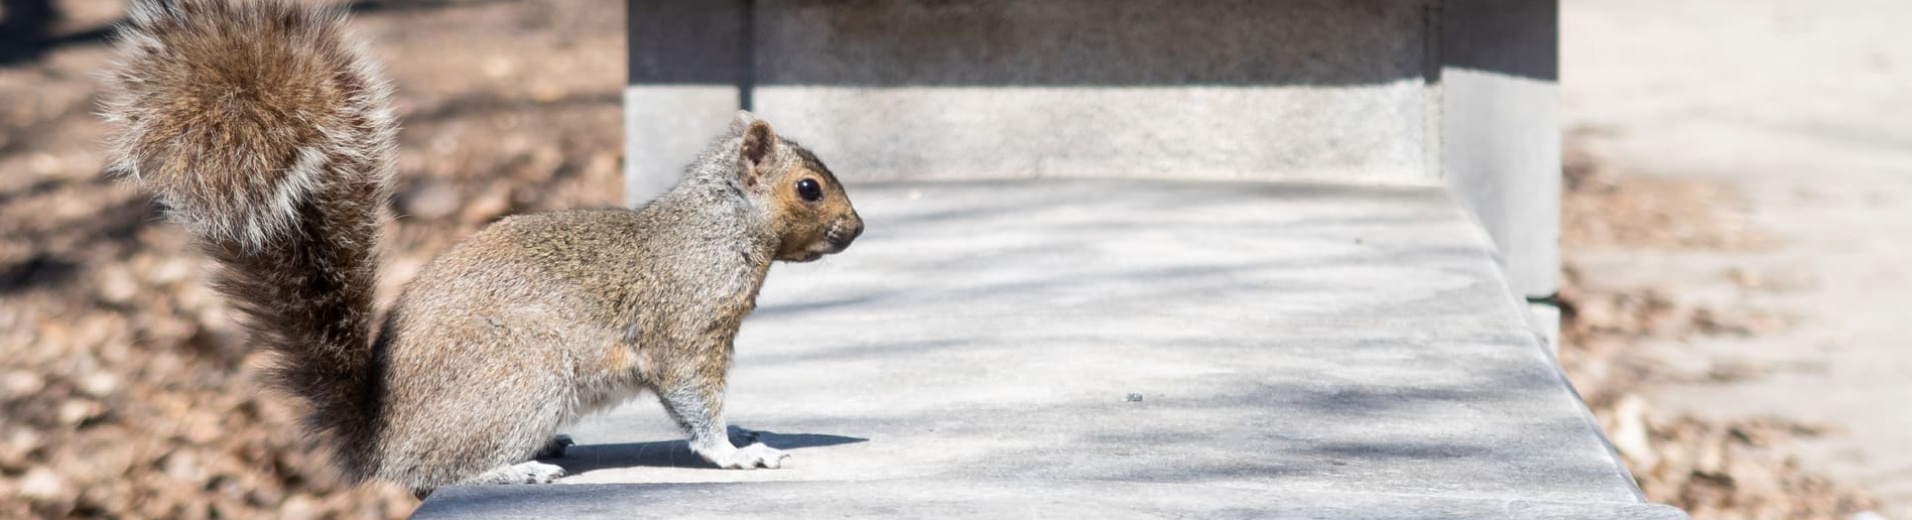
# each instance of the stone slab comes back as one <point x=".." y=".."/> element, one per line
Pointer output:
<point x="665" y="127"/>
<point x="969" y="499"/>
<point x="1313" y="90"/>
<point x="1266" y="339"/>
<point x="1360" y="133"/>
<point x="1500" y="129"/>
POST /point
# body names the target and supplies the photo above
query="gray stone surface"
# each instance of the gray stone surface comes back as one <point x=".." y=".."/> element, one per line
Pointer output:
<point x="1546" y="317"/>
<point x="968" y="499"/>
<point x="665" y="127"/>
<point x="1317" y="89"/>
<point x="978" y="348"/>
<point x="688" y="74"/>
<point x="1366" y="133"/>
<point x="1500" y="129"/>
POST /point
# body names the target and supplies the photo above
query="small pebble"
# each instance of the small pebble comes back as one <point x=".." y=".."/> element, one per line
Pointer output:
<point x="21" y="383"/>
<point x="75" y="411"/>
<point x="117" y="285"/>
<point x="98" y="384"/>
<point x="41" y="483"/>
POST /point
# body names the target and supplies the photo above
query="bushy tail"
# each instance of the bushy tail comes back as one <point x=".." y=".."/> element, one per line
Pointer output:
<point x="269" y="135"/>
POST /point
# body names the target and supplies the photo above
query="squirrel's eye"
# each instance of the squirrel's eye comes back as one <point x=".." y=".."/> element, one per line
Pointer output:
<point x="809" y="190"/>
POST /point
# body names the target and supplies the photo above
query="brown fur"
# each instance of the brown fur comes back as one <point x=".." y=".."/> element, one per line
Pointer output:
<point x="270" y="138"/>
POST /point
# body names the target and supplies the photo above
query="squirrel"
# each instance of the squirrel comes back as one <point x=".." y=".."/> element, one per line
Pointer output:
<point x="268" y="133"/>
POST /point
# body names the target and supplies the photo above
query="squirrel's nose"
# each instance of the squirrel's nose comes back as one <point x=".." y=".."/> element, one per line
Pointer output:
<point x="853" y="228"/>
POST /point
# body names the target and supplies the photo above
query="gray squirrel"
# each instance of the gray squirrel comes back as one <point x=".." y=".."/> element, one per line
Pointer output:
<point x="268" y="134"/>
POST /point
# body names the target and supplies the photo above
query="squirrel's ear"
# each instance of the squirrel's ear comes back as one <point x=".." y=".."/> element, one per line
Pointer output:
<point x="758" y="140"/>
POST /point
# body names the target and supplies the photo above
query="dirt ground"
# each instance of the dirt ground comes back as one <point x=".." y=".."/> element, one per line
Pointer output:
<point x="1739" y="468"/>
<point x="125" y="389"/>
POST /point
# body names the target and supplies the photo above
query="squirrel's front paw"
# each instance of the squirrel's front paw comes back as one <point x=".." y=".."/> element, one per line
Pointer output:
<point x="754" y="456"/>
<point x="760" y="455"/>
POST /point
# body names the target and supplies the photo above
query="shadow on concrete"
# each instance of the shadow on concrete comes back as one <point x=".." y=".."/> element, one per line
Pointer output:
<point x="1276" y="437"/>
<point x="677" y="454"/>
<point x="1002" y="43"/>
<point x="1477" y="32"/>
<point x="1079" y="42"/>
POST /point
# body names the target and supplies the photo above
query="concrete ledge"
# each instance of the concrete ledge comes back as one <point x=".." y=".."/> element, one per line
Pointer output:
<point x="1231" y="89"/>
<point x="1359" y="133"/>
<point x="1047" y="347"/>
<point x="968" y="499"/>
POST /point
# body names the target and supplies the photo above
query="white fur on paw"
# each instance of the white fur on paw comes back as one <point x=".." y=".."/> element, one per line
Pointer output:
<point x="531" y="473"/>
<point x="758" y="455"/>
<point x="754" y="456"/>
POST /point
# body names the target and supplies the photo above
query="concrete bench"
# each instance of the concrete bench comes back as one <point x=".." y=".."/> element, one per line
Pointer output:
<point x="1082" y="348"/>
<point x="1127" y="259"/>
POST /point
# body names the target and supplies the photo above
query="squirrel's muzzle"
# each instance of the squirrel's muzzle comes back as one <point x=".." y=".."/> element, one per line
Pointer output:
<point x="844" y="232"/>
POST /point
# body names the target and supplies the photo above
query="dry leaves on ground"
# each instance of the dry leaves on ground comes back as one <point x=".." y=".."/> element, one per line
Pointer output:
<point x="1736" y="469"/>
<point x="125" y="389"/>
<point x="1602" y="209"/>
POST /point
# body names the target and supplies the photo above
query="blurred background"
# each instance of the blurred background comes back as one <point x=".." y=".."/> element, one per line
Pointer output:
<point x="125" y="389"/>
<point x="1735" y="262"/>
<point x="1734" y="268"/>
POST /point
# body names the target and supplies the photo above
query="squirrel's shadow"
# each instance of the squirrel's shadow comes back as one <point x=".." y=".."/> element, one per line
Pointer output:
<point x="581" y="458"/>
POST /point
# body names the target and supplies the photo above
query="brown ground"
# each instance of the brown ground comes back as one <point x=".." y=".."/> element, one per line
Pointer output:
<point x="125" y="390"/>
<point x="1736" y="469"/>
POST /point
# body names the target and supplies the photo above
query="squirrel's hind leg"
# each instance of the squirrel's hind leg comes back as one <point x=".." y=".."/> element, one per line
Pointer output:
<point x="531" y="472"/>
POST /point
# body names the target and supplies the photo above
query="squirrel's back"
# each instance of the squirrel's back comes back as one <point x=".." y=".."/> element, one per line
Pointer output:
<point x="269" y="135"/>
